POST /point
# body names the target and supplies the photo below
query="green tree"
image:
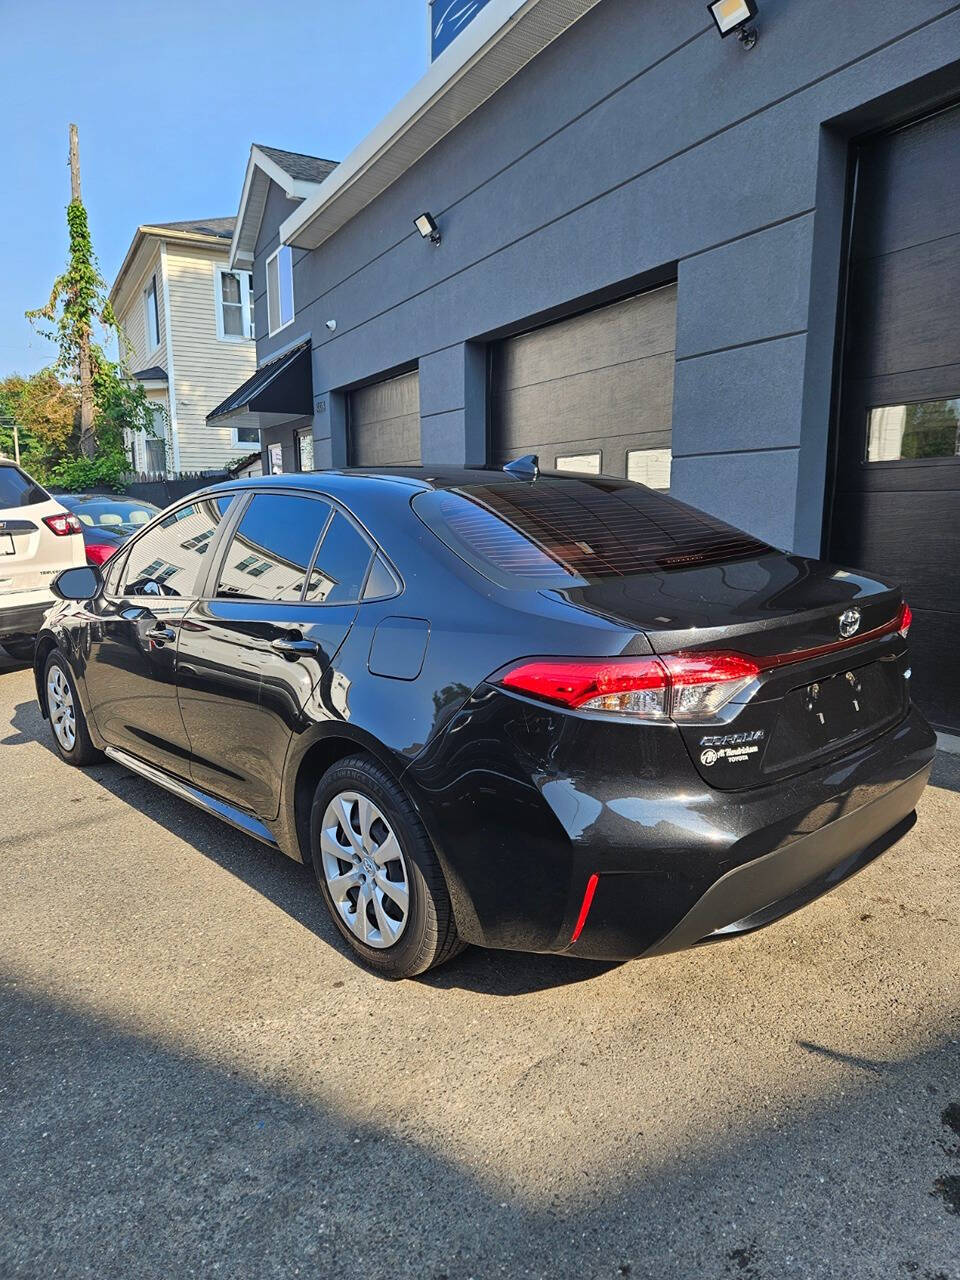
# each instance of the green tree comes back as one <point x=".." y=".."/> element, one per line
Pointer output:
<point x="79" y="307"/>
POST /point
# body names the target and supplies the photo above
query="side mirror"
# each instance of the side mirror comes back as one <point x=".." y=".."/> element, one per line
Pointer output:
<point x="83" y="583"/>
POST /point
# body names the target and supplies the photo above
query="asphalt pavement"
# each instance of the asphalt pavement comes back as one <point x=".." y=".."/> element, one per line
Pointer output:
<point x="195" y="1080"/>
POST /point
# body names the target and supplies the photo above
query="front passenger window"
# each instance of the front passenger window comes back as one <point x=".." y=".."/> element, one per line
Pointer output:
<point x="169" y="559"/>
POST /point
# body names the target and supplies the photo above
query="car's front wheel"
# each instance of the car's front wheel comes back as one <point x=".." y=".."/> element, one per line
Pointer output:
<point x="70" y="734"/>
<point x="378" y="872"/>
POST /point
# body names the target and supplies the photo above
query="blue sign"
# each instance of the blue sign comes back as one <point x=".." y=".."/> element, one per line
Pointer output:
<point x="447" y="19"/>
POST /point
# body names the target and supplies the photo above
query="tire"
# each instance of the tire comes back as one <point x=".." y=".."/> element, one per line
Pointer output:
<point x="21" y="649"/>
<point x="354" y="868"/>
<point x="70" y="734"/>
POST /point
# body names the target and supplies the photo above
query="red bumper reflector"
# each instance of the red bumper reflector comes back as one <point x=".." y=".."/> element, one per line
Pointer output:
<point x="585" y="906"/>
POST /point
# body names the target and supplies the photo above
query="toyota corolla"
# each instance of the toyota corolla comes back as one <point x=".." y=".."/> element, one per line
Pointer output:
<point x="540" y="712"/>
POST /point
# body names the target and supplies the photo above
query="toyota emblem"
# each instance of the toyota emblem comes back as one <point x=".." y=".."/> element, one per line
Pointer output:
<point x="849" y="623"/>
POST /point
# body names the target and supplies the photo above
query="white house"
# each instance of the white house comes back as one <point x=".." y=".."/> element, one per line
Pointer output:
<point x="188" y="322"/>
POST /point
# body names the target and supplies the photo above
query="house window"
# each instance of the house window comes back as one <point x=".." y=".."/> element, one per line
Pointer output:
<point x="246" y="435"/>
<point x="305" y="450"/>
<point x="280" y="289"/>
<point x="234" y="304"/>
<point x="650" y="467"/>
<point x="152" y="315"/>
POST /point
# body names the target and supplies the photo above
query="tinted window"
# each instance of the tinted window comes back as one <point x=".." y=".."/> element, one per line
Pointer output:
<point x="18" y="490"/>
<point x="271" y="550"/>
<point x="169" y="559"/>
<point x="341" y="565"/>
<point x="557" y="530"/>
<point x="381" y="581"/>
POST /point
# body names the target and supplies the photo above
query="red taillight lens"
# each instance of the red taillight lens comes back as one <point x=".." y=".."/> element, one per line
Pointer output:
<point x="637" y="686"/>
<point x="97" y="553"/>
<point x="904" y="620"/>
<point x="63" y="523"/>
<point x="678" y="686"/>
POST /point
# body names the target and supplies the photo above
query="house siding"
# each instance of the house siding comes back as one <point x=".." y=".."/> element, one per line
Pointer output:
<point x="133" y="318"/>
<point x="206" y="368"/>
<point x="635" y="149"/>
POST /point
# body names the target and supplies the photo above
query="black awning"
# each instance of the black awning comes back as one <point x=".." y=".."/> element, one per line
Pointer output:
<point x="283" y="386"/>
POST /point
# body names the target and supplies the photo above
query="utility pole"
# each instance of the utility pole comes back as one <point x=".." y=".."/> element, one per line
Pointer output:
<point x="88" y="443"/>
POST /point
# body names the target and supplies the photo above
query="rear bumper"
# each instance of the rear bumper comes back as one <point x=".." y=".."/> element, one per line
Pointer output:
<point x="525" y="805"/>
<point x="23" y="619"/>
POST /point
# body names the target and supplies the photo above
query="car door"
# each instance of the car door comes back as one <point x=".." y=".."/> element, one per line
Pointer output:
<point x="253" y="650"/>
<point x="130" y="670"/>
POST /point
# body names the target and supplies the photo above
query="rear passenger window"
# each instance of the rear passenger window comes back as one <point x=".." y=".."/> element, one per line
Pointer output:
<point x="341" y="566"/>
<point x="168" y="560"/>
<point x="271" y="550"/>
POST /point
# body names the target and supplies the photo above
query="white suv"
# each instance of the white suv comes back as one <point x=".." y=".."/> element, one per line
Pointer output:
<point x="38" y="538"/>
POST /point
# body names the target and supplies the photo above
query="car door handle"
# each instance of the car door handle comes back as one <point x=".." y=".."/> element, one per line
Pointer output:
<point x="293" y="649"/>
<point x="161" y="632"/>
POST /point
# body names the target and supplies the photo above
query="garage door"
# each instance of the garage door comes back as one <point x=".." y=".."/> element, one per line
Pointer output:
<point x="896" y="508"/>
<point x="592" y="393"/>
<point x="383" y="423"/>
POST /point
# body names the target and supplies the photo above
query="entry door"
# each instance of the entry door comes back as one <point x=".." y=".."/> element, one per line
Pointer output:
<point x="252" y="653"/>
<point x="131" y="679"/>
<point x="383" y="423"/>
<point x="592" y="393"/>
<point x="896" y="508"/>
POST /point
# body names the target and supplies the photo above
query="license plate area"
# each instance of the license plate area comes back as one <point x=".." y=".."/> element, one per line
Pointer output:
<point x="818" y="717"/>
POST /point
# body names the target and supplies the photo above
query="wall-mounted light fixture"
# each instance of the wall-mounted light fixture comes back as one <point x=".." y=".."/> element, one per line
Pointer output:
<point x="734" y="17"/>
<point x="426" y="224"/>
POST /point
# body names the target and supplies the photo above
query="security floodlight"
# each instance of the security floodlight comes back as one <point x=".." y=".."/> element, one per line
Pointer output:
<point x="426" y="224"/>
<point x="733" y="17"/>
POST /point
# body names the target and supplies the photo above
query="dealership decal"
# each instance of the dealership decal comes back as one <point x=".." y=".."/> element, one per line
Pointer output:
<point x="733" y="748"/>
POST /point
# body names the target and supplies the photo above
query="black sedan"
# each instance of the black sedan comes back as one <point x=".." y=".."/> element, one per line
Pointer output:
<point x="107" y="521"/>
<point x="541" y="712"/>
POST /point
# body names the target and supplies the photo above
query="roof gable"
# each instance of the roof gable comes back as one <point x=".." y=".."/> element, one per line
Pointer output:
<point x="296" y="174"/>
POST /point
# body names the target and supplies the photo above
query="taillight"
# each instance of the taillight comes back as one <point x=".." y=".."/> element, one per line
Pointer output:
<point x="904" y="620"/>
<point x="98" y="553"/>
<point x="677" y="687"/>
<point x="64" y="523"/>
<point x="636" y="686"/>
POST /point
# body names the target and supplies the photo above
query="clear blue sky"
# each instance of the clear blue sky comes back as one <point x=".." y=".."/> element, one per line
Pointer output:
<point x="168" y="97"/>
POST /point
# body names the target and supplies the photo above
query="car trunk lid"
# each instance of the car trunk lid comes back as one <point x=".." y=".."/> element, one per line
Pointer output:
<point x="832" y="666"/>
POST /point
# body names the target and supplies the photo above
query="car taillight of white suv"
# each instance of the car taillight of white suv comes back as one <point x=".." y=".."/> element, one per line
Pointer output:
<point x="38" y="538"/>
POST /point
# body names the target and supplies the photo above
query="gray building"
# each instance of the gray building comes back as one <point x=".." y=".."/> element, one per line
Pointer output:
<point x="729" y="270"/>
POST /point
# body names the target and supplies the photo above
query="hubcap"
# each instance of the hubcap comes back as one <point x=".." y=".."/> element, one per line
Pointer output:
<point x="364" y="869"/>
<point x="60" y="705"/>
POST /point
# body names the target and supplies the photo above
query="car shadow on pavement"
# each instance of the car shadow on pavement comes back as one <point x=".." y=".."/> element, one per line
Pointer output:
<point x="291" y="886"/>
<point x="124" y="1154"/>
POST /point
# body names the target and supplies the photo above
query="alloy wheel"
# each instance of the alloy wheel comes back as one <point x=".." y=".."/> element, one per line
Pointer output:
<point x="60" y="705"/>
<point x="364" y="869"/>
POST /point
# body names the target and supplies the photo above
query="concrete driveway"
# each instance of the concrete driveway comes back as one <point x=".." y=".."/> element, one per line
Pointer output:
<point x="195" y="1081"/>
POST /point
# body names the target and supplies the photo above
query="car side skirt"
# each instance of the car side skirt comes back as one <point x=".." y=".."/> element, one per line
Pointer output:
<point x="244" y="822"/>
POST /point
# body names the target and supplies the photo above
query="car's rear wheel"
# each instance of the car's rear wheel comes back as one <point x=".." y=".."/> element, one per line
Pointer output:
<point x="378" y="872"/>
<point x="70" y="734"/>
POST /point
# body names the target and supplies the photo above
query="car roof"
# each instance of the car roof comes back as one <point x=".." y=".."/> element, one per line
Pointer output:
<point x="345" y="480"/>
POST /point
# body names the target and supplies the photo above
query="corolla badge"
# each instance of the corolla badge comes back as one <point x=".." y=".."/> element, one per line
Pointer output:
<point x="849" y="623"/>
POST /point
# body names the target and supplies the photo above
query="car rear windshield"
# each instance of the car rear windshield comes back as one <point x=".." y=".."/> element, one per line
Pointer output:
<point x="558" y="530"/>
<point x="18" y="490"/>
<point x="124" y="517"/>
